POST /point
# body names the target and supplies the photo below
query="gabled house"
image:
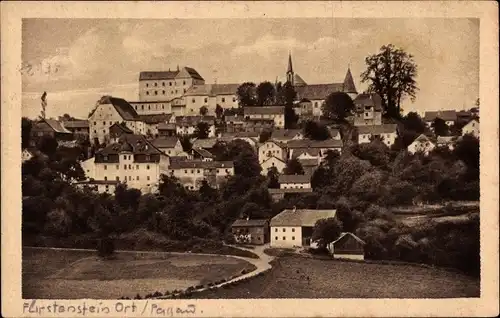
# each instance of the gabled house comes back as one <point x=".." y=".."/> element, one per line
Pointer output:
<point x="387" y="133"/>
<point x="258" y="124"/>
<point x="52" y="128"/>
<point x="472" y="128"/>
<point x="294" y="227"/>
<point x="252" y="138"/>
<point x="367" y="109"/>
<point x="167" y="130"/>
<point x="186" y="125"/>
<point x="77" y="127"/>
<point x="207" y="144"/>
<point x="309" y="165"/>
<point x="294" y="181"/>
<point x="276" y="113"/>
<point x="201" y="154"/>
<point x="449" y="117"/>
<point x="347" y="246"/>
<point x="285" y="135"/>
<point x="421" y="144"/>
<point x="247" y="231"/>
<point x="151" y="123"/>
<point x="117" y="130"/>
<point x="234" y="123"/>
<point x="270" y="149"/>
<point x="211" y="95"/>
<point x="270" y="162"/>
<point x="171" y="146"/>
<point x="312" y="149"/>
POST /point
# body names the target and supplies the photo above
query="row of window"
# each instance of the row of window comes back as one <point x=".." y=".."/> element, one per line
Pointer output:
<point x="163" y="92"/>
<point x="125" y="167"/>
<point x="149" y="107"/>
<point x="223" y="100"/>
<point x="284" y="230"/>
<point x="199" y="171"/>
<point x="163" y="84"/>
<point x="129" y="178"/>
<point x="284" y="238"/>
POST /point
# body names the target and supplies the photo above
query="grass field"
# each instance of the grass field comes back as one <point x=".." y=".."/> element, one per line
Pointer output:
<point x="63" y="274"/>
<point x="297" y="277"/>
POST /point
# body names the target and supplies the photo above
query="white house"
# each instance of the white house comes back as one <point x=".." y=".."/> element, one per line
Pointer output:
<point x="312" y="149"/>
<point x="294" y="181"/>
<point x="191" y="173"/>
<point x="293" y="228"/>
<point x="186" y="125"/>
<point x="270" y="149"/>
<point x="110" y="110"/>
<point x="367" y="110"/>
<point x="132" y="160"/>
<point x="88" y="167"/>
<point x="472" y="127"/>
<point x="171" y="146"/>
<point x="211" y="95"/>
<point x="276" y="113"/>
<point x="270" y="162"/>
<point x="100" y="186"/>
<point x="421" y="144"/>
<point x="26" y="155"/>
<point x="285" y="135"/>
<point x="387" y="133"/>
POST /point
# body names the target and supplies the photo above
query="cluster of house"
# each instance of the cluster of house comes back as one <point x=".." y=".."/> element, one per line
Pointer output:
<point x="142" y="141"/>
<point x="293" y="228"/>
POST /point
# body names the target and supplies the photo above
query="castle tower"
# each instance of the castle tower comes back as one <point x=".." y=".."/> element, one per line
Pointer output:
<point x="289" y="71"/>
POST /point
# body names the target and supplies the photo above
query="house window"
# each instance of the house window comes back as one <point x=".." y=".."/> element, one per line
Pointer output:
<point x="185" y="90"/>
<point x="276" y="238"/>
<point x="142" y="106"/>
<point x="147" y="85"/>
<point x="105" y="167"/>
<point x="156" y="92"/>
<point x="169" y="83"/>
<point x="163" y="84"/>
<point x="137" y="167"/>
<point x="117" y="178"/>
<point x="147" y="178"/>
<point x="276" y="230"/>
<point x="129" y="178"/>
<point x="206" y="99"/>
<point x="130" y="166"/>
<point x="234" y="99"/>
<point x="163" y="92"/>
<point x="156" y="84"/>
<point x="185" y="171"/>
<point x="117" y="167"/>
<point x="105" y="178"/>
<point x="293" y="238"/>
<point x="223" y="100"/>
<point x="147" y="93"/>
<point x="184" y="82"/>
<point x="284" y="238"/>
<point x="198" y="171"/>
<point x="125" y="167"/>
<point x="193" y="100"/>
<point x="95" y="123"/>
<point x="147" y="167"/>
<point x="137" y="178"/>
<point x="293" y="230"/>
<point x="149" y="107"/>
<point x="284" y="230"/>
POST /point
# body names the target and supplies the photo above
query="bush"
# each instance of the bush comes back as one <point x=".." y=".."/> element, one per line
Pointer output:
<point x="105" y="247"/>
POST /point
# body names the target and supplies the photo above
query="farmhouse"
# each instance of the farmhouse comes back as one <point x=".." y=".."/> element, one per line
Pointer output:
<point x="386" y="133"/>
<point x="52" y="128"/>
<point x="201" y="154"/>
<point x="294" y="181"/>
<point x="421" y="144"/>
<point x="311" y="149"/>
<point x="294" y="228"/>
<point x="472" y="128"/>
<point x="347" y="246"/>
<point x="186" y="125"/>
<point x="250" y="231"/>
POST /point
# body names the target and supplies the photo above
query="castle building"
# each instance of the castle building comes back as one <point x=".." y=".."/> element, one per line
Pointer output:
<point x="312" y="96"/>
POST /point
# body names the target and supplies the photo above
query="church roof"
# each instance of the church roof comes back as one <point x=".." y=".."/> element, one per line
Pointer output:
<point x="298" y="81"/>
<point x="212" y="90"/>
<point x="349" y="86"/>
<point x="290" y="68"/>
<point x="318" y="91"/>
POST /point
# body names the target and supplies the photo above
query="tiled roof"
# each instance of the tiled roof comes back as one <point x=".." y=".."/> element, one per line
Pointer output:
<point x="165" y="142"/>
<point x="202" y="152"/>
<point x="446" y="115"/>
<point x="318" y="91"/>
<point x="168" y="75"/>
<point x="298" y="81"/>
<point x="345" y="234"/>
<point x="57" y="126"/>
<point x="292" y="190"/>
<point x="137" y="144"/>
<point x="285" y="133"/>
<point x="309" y="162"/>
<point x="234" y="119"/>
<point x="310" y="151"/>
<point x="377" y="129"/>
<point x="166" y="126"/>
<point x="422" y="138"/>
<point x="241" y="134"/>
<point x="155" y="118"/>
<point x="126" y="111"/>
<point x="193" y="73"/>
<point x="274" y="158"/>
<point x="122" y="127"/>
<point x="264" y="110"/>
<point x="277" y="143"/>
<point x="349" y="86"/>
<point x="249" y="223"/>
<point x="368" y="99"/>
<point x="194" y="120"/>
<point x="205" y="143"/>
<point x="224" y="89"/>
<point x="301" y="217"/>
<point x="76" y="124"/>
<point x="194" y="164"/>
<point x="294" y="178"/>
<point x="307" y="143"/>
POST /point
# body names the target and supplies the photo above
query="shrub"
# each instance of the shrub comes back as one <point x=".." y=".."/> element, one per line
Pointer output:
<point x="105" y="247"/>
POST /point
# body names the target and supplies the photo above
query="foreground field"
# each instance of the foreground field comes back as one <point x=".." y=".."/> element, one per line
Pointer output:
<point x="297" y="277"/>
<point x="65" y="274"/>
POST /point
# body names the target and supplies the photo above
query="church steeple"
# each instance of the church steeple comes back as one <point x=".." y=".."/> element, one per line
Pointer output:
<point x="289" y="71"/>
<point x="349" y="86"/>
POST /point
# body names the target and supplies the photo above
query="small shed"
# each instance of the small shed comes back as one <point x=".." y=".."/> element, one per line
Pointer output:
<point x="246" y="231"/>
<point x="347" y="246"/>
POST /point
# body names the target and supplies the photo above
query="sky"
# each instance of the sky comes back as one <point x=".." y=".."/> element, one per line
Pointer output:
<point x="76" y="61"/>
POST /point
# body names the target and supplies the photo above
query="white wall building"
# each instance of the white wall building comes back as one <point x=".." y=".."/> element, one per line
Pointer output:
<point x="191" y="173"/>
<point x="472" y="127"/>
<point x="421" y="144"/>
<point x="211" y="95"/>
<point x="186" y="125"/>
<point x="171" y="146"/>
<point x="271" y="149"/>
<point x="294" y="181"/>
<point x="276" y="113"/>
<point x="270" y="162"/>
<point x="387" y="133"/>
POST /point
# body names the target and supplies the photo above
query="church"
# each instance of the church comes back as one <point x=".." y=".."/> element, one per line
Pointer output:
<point x="310" y="97"/>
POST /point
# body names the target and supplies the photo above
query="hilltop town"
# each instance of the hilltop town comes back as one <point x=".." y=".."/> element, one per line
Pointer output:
<point x="192" y="166"/>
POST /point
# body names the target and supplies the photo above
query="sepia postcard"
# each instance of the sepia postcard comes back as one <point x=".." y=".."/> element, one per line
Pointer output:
<point x="249" y="159"/>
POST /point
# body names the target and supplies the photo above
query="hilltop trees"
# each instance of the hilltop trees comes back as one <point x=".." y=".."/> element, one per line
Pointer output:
<point x="265" y="94"/>
<point x="337" y="106"/>
<point x="440" y="127"/>
<point x="391" y="74"/>
<point x="326" y="231"/>
<point x="247" y="94"/>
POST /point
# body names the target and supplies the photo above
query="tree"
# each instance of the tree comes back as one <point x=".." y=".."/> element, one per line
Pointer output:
<point x="467" y="150"/>
<point x="413" y="122"/>
<point x="48" y="145"/>
<point x="247" y="164"/>
<point x="26" y="126"/>
<point x="326" y="231"/>
<point x="265" y="94"/>
<point x="293" y="166"/>
<point x="321" y="178"/>
<point x="264" y="136"/>
<point x="203" y="110"/>
<point x="285" y="94"/>
<point x="291" y="118"/>
<point x="219" y="111"/>
<point x="337" y="106"/>
<point x="440" y="127"/>
<point x="247" y="95"/>
<point x="186" y="143"/>
<point x="273" y="176"/>
<point x="315" y="131"/>
<point x="202" y="130"/>
<point x="391" y="74"/>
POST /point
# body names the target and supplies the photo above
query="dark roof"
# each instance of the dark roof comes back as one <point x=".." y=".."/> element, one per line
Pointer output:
<point x="166" y="126"/>
<point x="292" y="190"/>
<point x="446" y="115"/>
<point x="349" y="86"/>
<point x="311" y="151"/>
<point x="307" y="143"/>
<point x="212" y="90"/>
<point x="194" y="74"/>
<point x="137" y="144"/>
<point x="264" y="110"/>
<point x="309" y="162"/>
<point x="155" y="118"/>
<point x="76" y="124"/>
<point x="368" y="99"/>
<point x="194" y="120"/>
<point x="165" y="142"/>
<point x="298" y="81"/>
<point x="301" y="217"/>
<point x="123" y="108"/>
<point x="318" y="91"/>
<point x="235" y="118"/>
<point x="158" y="75"/>
<point x="249" y="223"/>
<point x="122" y="127"/>
<point x="56" y="126"/>
<point x="202" y="152"/>
<point x="285" y="133"/>
<point x="241" y="134"/>
<point x="294" y="178"/>
<point x="422" y="138"/>
<point x="345" y="234"/>
<point x="194" y="164"/>
<point x="205" y="143"/>
<point x="377" y="129"/>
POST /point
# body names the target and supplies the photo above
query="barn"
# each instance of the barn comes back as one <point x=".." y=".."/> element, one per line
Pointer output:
<point x="347" y="246"/>
<point x="247" y="231"/>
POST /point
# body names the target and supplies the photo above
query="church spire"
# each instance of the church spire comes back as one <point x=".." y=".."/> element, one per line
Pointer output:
<point x="349" y="86"/>
<point x="289" y="71"/>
